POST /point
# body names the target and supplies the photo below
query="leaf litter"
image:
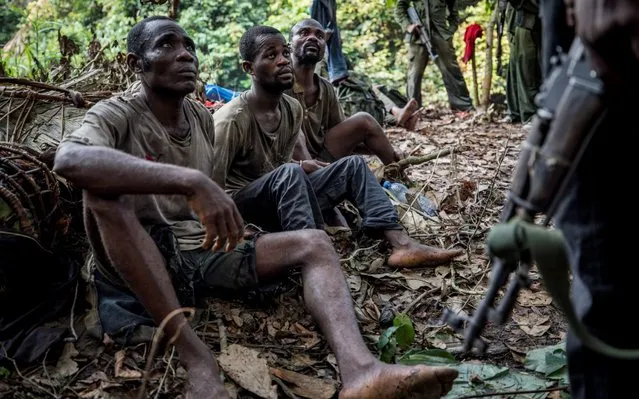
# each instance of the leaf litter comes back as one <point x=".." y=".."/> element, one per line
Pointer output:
<point x="274" y="349"/>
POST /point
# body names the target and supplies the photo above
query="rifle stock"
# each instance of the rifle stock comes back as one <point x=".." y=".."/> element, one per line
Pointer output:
<point x="424" y="36"/>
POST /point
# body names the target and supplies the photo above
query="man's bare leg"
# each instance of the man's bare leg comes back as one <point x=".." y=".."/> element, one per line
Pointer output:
<point x="137" y="258"/>
<point x="342" y="139"/>
<point x="408" y="253"/>
<point x="329" y="302"/>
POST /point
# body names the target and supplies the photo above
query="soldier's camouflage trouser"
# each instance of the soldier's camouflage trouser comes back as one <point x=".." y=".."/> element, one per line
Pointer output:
<point x="458" y="96"/>
<point x="524" y="73"/>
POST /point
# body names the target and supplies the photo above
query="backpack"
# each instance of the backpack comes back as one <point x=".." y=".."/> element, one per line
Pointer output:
<point x="355" y="94"/>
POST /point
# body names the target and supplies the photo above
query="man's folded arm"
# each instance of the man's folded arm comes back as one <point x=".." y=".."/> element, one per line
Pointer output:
<point x="88" y="158"/>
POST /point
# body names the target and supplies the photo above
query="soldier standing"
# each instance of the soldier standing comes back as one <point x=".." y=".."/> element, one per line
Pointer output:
<point x="440" y="20"/>
<point x="524" y="66"/>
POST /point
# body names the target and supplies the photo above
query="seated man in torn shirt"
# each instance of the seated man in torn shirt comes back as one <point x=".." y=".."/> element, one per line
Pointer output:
<point x="163" y="232"/>
<point x="260" y="159"/>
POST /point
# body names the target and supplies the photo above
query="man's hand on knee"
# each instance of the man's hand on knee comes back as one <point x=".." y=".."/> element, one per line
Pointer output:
<point x="218" y="213"/>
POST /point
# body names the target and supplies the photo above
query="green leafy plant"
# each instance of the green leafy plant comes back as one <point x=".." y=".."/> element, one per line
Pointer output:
<point x="400" y="335"/>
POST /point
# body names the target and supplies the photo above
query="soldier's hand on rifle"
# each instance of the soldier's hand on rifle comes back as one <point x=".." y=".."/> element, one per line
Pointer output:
<point x="610" y="29"/>
<point x="413" y="28"/>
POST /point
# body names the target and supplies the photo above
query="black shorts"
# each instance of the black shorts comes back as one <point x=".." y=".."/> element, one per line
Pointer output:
<point x="195" y="274"/>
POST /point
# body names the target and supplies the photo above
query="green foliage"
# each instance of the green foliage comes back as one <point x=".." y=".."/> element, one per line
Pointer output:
<point x="476" y="378"/>
<point x="551" y="361"/>
<point x="10" y="18"/>
<point x="216" y="27"/>
<point x="372" y="39"/>
<point x="400" y="335"/>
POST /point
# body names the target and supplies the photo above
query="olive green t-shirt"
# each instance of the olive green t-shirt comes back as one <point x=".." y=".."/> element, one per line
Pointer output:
<point x="320" y="117"/>
<point x="243" y="151"/>
<point x="126" y="123"/>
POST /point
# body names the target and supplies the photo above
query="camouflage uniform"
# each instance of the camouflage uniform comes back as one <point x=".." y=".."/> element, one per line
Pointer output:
<point x="442" y="28"/>
<point x="524" y="66"/>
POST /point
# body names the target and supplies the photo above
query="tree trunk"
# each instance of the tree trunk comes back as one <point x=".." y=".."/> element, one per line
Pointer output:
<point x="488" y="67"/>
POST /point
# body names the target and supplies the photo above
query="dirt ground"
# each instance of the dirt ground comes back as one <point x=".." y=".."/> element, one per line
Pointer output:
<point x="469" y="185"/>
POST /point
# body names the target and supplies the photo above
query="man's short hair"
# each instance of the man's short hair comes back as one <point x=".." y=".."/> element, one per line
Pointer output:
<point x="248" y="47"/>
<point x="304" y="22"/>
<point x="135" y="39"/>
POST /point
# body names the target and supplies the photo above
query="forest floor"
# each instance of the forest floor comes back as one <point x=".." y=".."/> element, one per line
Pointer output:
<point x="274" y="349"/>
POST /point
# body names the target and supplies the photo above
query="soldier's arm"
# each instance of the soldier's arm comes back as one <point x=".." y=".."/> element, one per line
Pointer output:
<point x="401" y="14"/>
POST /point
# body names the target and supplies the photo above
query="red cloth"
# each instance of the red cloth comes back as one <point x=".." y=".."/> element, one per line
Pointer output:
<point x="473" y="32"/>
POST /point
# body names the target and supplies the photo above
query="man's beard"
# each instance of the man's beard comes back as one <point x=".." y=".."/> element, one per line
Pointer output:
<point x="277" y="87"/>
<point x="309" y="59"/>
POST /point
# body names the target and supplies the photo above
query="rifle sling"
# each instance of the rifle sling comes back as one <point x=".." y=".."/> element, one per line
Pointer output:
<point x="548" y="249"/>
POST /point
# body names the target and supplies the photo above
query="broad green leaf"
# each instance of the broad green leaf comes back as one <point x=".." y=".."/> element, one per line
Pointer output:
<point x="427" y="356"/>
<point x="476" y="378"/>
<point x="405" y="333"/>
<point x="551" y="361"/>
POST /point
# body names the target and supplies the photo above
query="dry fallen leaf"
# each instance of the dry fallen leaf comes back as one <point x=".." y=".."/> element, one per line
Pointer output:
<point x="248" y="370"/>
<point x="529" y="298"/>
<point x="532" y="323"/>
<point x="376" y="265"/>
<point x="415" y="281"/>
<point x="65" y="366"/>
<point x="123" y="372"/>
<point x="305" y="386"/>
<point x="311" y="338"/>
<point x="303" y="360"/>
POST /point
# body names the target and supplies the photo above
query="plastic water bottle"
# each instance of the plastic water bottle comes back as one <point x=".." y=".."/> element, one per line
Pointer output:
<point x="398" y="189"/>
<point x="428" y="207"/>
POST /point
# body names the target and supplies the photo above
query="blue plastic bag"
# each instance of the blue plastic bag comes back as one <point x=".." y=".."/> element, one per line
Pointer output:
<point x="219" y="93"/>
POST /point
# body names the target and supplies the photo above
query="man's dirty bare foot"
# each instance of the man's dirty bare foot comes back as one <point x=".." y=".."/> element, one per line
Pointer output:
<point x="204" y="381"/>
<point x="385" y="381"/>
<point x="202" y="371"/>
<point x="419" y="255"/>
<point x="412" y="122"/>
<point x="406" y="113"/>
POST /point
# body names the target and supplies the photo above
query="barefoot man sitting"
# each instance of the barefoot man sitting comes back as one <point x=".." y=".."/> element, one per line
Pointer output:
<point x="259" y="158"/>
<point x="162" y="231"/>
<point x="330" y="136"/>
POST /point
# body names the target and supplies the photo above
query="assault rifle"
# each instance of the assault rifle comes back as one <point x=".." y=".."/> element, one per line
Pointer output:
<point x="571" y="106"/>
<point x="424" y="32"/>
